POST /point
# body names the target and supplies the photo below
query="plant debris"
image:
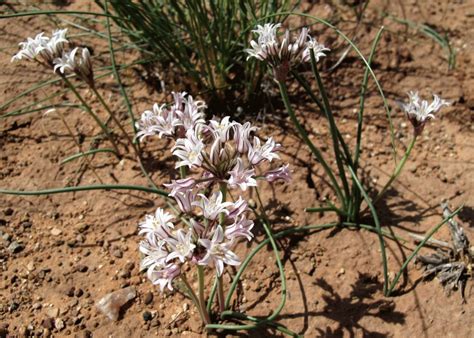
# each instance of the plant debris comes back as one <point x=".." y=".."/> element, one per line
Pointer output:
<point x="452" y="265"/>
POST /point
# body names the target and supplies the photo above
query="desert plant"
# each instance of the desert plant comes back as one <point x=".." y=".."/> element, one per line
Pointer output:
<point x="283" y="55"/>
<point x="203" y="40"/>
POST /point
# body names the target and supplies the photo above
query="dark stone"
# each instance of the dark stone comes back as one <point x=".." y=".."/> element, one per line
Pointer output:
<point x="8" y="211"/>
<point x="79" y="293"/>
<point x="70" y="291"/>
<point x="15" y="247"/>
<point x="147" y="316"/>
<point x="13" y="306"/>
<point x="82" y="268"/>
<point x="26" y="224"/>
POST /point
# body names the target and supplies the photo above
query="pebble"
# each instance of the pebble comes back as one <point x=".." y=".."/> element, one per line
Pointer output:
<point x="78" y="293"/>
<point x="7" y="237"/>
<point x="8" y="211"/>
<point x="56" y="232"/>
<point x="111" y="303"/>
<point x="70" y="291"/>
<point x="82" y="268"/>
<point x="52" y="312"/>
<point x="82" y="227"/>
<point x="124" y="274"/>
<point x="147" y="316"/>
<point x="48" y="323"/>
<point x="13" y="306"/>
<point x="148" y="298"/>
<point x="117" y="253"/>
<point x="15" y="247"/>
<point x="59" y="324"/>
<point x="30" y="266"/>
<point x="26" y="224"/>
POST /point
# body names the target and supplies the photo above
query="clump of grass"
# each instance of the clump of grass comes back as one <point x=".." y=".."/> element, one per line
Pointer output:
<point x="202" y="40"/>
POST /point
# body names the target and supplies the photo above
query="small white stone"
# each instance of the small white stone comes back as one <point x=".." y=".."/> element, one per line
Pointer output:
<point x="56" y="232"/>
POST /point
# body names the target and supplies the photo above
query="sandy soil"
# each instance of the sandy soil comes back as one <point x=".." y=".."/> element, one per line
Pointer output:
<point x="78" y="247"/>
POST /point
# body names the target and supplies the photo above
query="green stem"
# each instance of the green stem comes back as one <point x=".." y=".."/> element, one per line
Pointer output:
<point x="397" y="171"/>
<point x="258" y="321"/>
<point x="379" y="229"/>
<point x="202" y="301"/>
<point x="115" y="71"/>
<point x="220" y="286"/>
<point x="422" y="243"/>
<point x="85" y="154"/>
<point x="313" y="148"/>
<point x="333" y="128"/>
<point x="124" y="132"/>
<point x="106" y="187"/>
<point x="204" y="315"/>
<point x="322" y="209"/>
<point x="94" y="116"/>
<point x="269" y="233"/>
<point x="262" y="244"/>
<point x="301" y="80"/>
<point x="373" y="229"/>
<point x="111" y="114"/>
<point x="211" y="296"/>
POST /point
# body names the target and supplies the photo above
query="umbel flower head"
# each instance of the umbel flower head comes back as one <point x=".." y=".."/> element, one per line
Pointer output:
<point x="219" y="154"/>
<point x="42" y="48"/>
<point x="79" y="64"/>
<point x="170" y="121"/>
<point x="419" y="111"/>
<point x="283" y="54"/>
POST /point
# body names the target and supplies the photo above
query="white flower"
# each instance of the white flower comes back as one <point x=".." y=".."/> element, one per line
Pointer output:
<point x="242" y="136"/>
<point x="282" y="173"/>
<point x="258" y="152"/>
<point x="81" y="65"/>
<point x="241" y="176"/>
<point x="154" y="254"/>
<point x="165" y="276"/>
<point x="31" y="48"/>
<point x="240" y="228"/>
<point x="185" y="200"/>
<point x="266" y="42"/>
<point x="189" y="112"/>
<point x="181" y="185"/>
<point x="419" y="111"/>
<point x="317" y="48"/>
<point x="221" y="129"/>
<point x="284" y="55"/>
<point x="189" y="150"/>
<point x="237" y="208"/>
<point x="181" y="246"/>
<point x="42" y="46"/>
<point x="218" y="252"/>
<point x="159" y="121"/>
<point x="213" y="206"/>
<point x="158" y="225"/>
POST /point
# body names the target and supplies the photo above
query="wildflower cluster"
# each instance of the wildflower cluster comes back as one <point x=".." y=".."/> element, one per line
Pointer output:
<point x="419" y="111"/>
<point x="42" y="48"/>
<point x="51" y="53"/>
<point x="218" y="155"/>
<point x="285" y="54"/>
